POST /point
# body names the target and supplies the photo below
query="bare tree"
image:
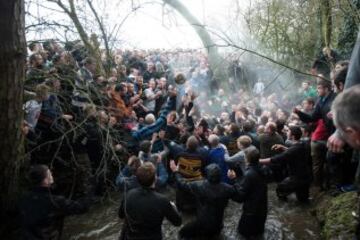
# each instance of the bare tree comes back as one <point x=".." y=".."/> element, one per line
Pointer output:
<point x="215" y="59"/>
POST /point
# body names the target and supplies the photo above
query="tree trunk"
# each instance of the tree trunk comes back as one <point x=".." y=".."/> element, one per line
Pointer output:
<point x="215" y="60"/>
<point x="93" y="51"/>
<point x="326" y="22"/>
<point x="12" y="73"/>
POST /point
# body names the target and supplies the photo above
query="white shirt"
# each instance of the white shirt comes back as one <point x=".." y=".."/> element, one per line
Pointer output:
<point x="32" y="112"/>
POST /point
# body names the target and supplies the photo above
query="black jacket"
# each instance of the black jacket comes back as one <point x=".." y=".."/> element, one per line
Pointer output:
<point x="144" y="211"/>
<point x="42" y="214"/>
<point x="211" y="200"/>
<point x="296" y="158"/>
<point x="322" y="108"/>
<point x="252" y="191"/>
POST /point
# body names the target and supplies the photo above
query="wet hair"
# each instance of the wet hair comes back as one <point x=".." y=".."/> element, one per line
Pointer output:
<point x="37" y="174"/>
<point x="145" y="146"/>
<point x="145" y="174"/>
<point x="296" y="132"/>
<point x="252" y="156"/>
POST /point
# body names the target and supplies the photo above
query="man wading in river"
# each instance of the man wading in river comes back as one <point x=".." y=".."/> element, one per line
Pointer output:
<point x="212" y="197"/>
<point x="42" y="214"/>
<point x="144" y="209"/>
<point x="252" y="192"/>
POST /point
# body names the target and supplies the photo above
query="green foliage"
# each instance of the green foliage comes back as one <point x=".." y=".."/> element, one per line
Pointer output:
<point x="286" y="30"/>
<point x="348" y="32"/>
<point x="294" y="32"/>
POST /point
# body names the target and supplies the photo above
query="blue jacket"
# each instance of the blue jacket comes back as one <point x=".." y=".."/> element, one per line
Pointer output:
<point x="217" y="155"/>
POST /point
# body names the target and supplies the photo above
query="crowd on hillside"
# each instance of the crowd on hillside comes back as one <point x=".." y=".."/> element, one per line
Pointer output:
<point x="144" y="121"/>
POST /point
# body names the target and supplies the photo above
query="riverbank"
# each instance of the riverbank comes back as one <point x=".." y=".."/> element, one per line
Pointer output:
<point x="334" y="215"/>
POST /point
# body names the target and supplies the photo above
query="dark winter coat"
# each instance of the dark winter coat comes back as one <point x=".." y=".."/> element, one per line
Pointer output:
<point x="42" y="214"/>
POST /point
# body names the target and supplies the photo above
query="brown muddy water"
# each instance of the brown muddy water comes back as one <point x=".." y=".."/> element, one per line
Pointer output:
<point x="286" y="221"/>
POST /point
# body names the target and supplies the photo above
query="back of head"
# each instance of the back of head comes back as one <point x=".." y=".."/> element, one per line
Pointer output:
<point x="213" y="173"/>
<point x="245" y="141"/>
<point x="42" y="90"/>
<point x="270" y="127"/>
<point x="37" y="174"/>
<point x="145" y="146"/>
<point x="280" y="124"/>
<point x="145" y="174"/>
<point x="296" y="132"/>
<point x="340" y="76"/>
<point x="234" y="128"/>
<point x="220" y="129"/>
<point x="346" y="109"/>
<point x="192" y="143"/>
<point x="214" y="140"/>
<point x="248" y="126"/>
<point x="134" y="164"/>
<point x="119" y="87"/>
<point x="252" y="156"/>
<point x="149" y="118"/>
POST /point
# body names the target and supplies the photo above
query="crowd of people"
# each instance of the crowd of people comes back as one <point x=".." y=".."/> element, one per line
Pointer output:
<point x="149" y="120"/>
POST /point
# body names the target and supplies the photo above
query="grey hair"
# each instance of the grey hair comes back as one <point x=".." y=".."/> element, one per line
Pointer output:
<point x="346" y="108"/>
<point x="214" y="139"/>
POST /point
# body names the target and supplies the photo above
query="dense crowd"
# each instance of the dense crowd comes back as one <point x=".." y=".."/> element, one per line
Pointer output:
<point x="144" y="121"/>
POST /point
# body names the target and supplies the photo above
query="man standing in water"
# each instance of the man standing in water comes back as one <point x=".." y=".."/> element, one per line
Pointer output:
<point x="144" y="209"/>
<point x="42" y="214"/>
<point x="252" y="192"/>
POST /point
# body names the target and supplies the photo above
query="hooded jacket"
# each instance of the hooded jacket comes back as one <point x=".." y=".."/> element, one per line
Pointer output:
<point x="211" y="196"/>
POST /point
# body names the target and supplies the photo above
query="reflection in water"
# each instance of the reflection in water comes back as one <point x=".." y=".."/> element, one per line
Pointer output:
<point x="285" y="221"/>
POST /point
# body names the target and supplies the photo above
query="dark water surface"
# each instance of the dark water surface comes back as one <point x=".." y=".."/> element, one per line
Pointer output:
<point x="286" y="221"/>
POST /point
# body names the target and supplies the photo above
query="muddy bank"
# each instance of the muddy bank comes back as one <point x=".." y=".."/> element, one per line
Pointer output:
<point x="334" y="215"/>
